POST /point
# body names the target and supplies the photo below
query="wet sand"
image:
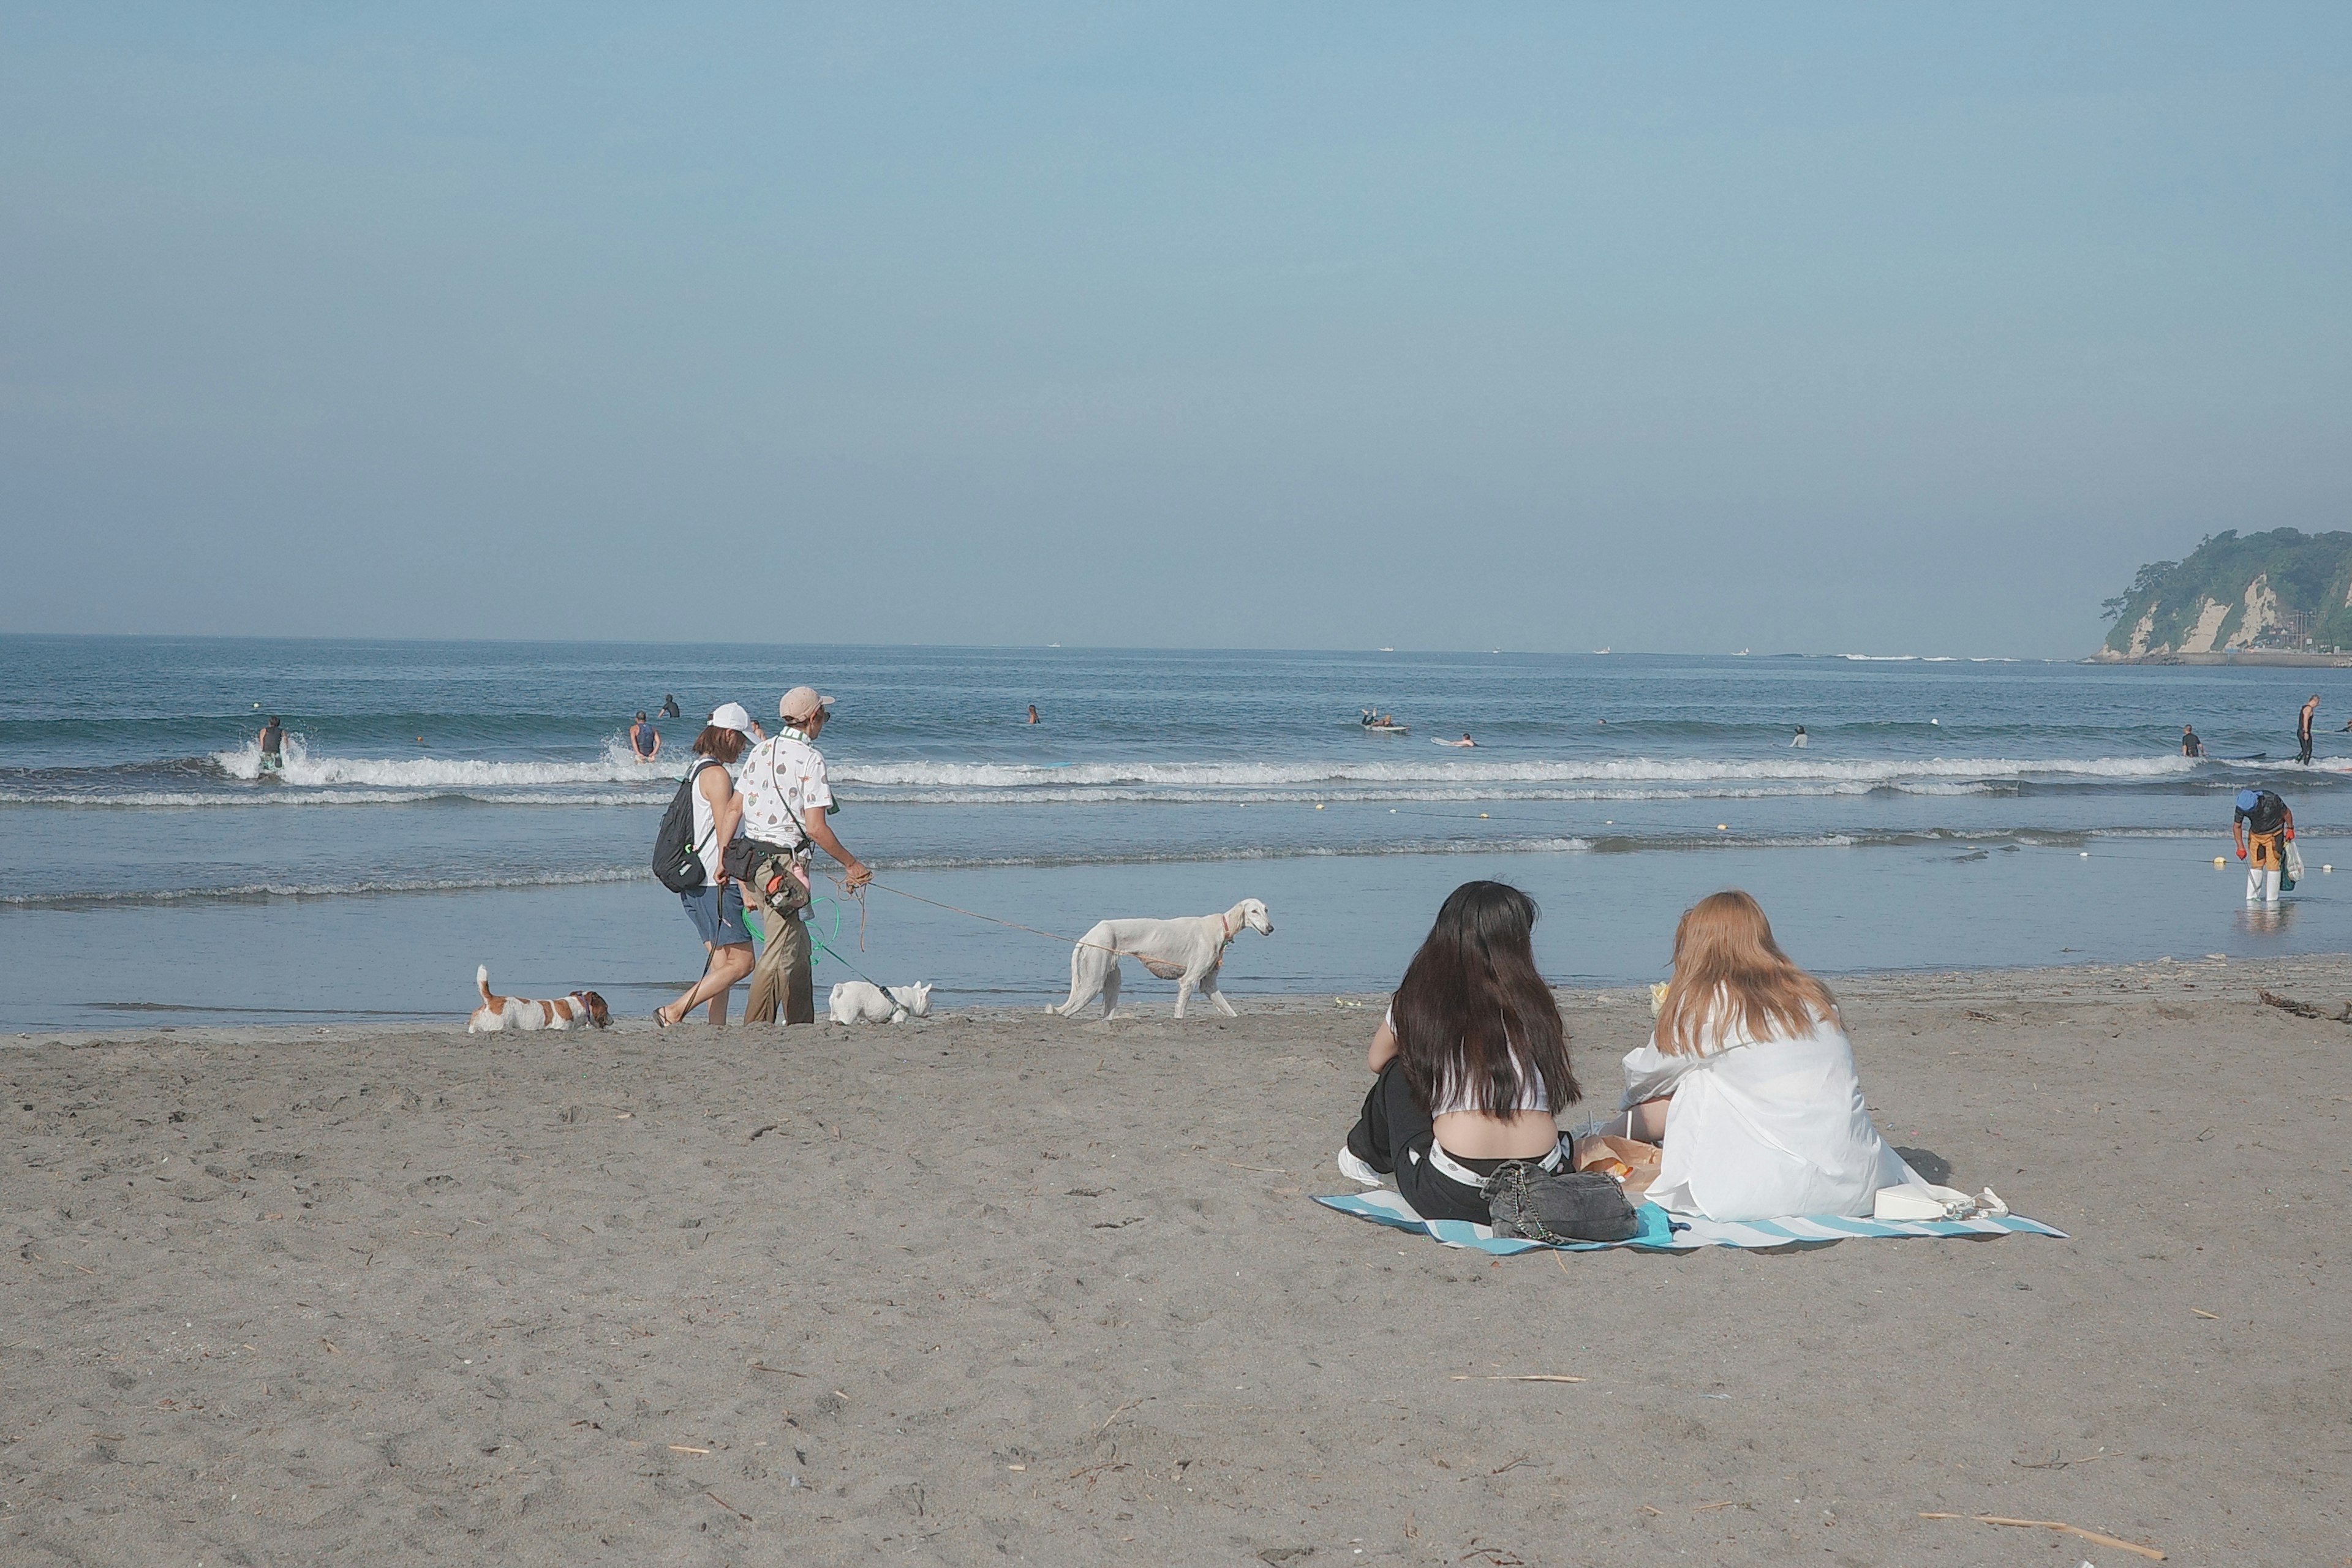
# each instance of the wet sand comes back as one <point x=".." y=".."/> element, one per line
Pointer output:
<point x="997" y="1288"/>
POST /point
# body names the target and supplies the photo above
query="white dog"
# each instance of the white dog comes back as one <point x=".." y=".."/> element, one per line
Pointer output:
<point x="855" y="1002"/>
<point x="1190" y="951"/>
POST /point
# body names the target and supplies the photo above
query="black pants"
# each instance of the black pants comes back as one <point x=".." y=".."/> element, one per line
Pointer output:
<point x="1394" y="1136"/>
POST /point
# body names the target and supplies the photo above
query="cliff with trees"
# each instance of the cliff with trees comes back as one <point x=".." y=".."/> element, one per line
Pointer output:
<point x="2280" y="590"/>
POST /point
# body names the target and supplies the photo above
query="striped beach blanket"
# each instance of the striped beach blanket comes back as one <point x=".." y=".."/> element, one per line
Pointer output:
<point x="1663" y="1232"/>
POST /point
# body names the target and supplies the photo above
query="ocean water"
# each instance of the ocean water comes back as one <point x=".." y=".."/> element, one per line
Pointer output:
<point x="446" y="804"/>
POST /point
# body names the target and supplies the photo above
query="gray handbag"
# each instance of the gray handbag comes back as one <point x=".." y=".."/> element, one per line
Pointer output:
<point x="1532" y="1204"/>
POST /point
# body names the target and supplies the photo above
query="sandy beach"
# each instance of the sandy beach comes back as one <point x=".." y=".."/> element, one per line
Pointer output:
<point x="997" y="1288"/>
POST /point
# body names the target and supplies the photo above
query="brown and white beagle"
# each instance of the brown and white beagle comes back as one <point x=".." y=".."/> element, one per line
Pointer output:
<point x="498" y="1014"/>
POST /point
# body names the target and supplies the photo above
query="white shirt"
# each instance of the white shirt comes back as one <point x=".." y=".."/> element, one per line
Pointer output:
<point x="706" y="838"/>
<point x="783" y="780"/>
<point x="1762" y="1129"/>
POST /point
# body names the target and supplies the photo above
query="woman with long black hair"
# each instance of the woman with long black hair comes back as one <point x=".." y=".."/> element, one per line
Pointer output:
<point x="1472" y="1062"/>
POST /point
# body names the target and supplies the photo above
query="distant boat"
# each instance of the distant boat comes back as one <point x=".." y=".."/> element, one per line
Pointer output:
<point x="1053" y="645"/>
<point x="1741" y="654"/>
<point x="1601" y="650"/>
<point x="1388" y="650"/>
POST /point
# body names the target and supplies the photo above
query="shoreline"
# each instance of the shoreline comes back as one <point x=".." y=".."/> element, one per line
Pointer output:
<point x="1138" y="1005"/>
<point x="2279" y="658"/>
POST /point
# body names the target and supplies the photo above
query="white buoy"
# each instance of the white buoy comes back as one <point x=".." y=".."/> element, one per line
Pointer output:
<point x="1318" y="805"/>
<point x="2084" y="853"/>
<point x="1482" y="817"/>
<point x="2218" y="861"/>
<point x="1722" y="827"/>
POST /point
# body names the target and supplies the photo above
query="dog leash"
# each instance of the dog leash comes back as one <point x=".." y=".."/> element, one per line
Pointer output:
<point x="1033" y="930"/>
<point x="819" y="944"/>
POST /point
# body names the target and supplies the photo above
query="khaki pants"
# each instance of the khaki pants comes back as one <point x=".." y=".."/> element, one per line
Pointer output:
<point x="782" y="976"/>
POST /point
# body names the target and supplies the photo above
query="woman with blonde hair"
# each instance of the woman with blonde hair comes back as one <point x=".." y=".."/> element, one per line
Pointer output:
<point x="1748" y="1083"/>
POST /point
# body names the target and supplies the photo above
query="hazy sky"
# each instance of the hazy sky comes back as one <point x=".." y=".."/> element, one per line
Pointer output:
<point x="1871" y="328"/>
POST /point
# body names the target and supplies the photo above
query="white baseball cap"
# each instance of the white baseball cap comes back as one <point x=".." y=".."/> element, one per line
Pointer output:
<point x="731" y="716"/>
<point x="801" y="702"/>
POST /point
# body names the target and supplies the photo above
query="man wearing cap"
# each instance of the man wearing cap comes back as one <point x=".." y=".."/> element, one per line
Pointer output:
<point x="786" y="802"/>
<point x="2264" y="824"/>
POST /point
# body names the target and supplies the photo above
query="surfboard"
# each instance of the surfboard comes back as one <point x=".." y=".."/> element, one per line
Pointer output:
<point x="1388" y="729"/>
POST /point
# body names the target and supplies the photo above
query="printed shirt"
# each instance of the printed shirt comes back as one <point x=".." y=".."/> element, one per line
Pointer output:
<point x="782" y="779"/>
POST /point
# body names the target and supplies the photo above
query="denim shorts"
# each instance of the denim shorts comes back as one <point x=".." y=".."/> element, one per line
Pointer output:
<point x="718" y="914"/>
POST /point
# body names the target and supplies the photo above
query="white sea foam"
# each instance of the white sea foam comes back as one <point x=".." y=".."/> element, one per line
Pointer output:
<point x="312" y="780"/>
<point x="1479" y="776"/>
<point x="361" y="887"/>
<point x="306" y="771"/>
<point x="191" y="800"/>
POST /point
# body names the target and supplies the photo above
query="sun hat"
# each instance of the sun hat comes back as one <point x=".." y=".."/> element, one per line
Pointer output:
<point x="2247" y="800"/>
<point x="801" y="702"/>
<point x="731" y="716"/>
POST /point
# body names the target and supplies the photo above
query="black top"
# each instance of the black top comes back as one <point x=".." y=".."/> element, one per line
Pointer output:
<point x="2268" y="816"/>
<point x="273" y="739"/>
<point x="669" y="708"/>
<point x="2303" y="725"/>
<point x="2191" y="746"/>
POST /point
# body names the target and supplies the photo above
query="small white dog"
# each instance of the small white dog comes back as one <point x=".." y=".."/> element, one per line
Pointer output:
<point x="855" y="1002"/>
<point x="498" y="1014"/>
<point x="1190" y="951"/>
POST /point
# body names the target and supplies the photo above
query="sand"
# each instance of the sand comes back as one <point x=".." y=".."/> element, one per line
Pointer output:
<point x="1000" y="1287"/>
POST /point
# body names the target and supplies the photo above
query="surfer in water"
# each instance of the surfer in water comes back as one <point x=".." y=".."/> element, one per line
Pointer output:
<point x="2191" y="746"/>
<point x="2303" y="728"/>
<point x="1033" y="714"/>
<point x="1801" y="741"/>
<point x="273" y="746"/>
<point x="1465" y="741"/>
<point x="669" y="708"/>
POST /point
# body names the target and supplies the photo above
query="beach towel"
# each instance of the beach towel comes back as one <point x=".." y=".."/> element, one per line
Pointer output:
<point x="1663" y="1232"/>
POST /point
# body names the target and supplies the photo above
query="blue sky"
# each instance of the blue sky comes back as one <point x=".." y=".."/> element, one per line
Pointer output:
<point x="1823" y="328"/>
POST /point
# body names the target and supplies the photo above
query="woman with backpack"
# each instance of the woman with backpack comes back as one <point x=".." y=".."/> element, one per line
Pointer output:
<point x="716" y="906"/>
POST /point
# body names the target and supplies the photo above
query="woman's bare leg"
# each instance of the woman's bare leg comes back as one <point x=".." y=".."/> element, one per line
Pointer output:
<point x="728" y="965"/>
<point x="720" y="971"/>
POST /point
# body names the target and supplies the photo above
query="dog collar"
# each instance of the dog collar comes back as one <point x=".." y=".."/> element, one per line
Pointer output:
<point x="1228" y="941"/>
